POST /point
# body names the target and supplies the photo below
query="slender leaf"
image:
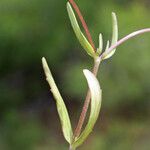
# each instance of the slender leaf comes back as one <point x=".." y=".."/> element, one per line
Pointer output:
<point x="96" y="97"/>
<point x="99" y="50"/>
<point x="61" y="108"/>
<point x="107" y="45"/>
<point x="114" y="35"/>
<point x="80" y="36"/>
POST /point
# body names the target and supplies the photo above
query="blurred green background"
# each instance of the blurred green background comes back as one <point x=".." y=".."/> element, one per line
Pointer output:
<point x="30" y="29"/>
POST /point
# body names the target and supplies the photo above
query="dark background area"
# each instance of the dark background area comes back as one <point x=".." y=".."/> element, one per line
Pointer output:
<point x="31" y="29"/>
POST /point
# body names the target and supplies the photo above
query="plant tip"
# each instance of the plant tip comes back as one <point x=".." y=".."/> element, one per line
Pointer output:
<point x="113" y="13"/>
<point x="67" y="4"/>
<point x="43" y="58"/>
<point x="85" y="71"/>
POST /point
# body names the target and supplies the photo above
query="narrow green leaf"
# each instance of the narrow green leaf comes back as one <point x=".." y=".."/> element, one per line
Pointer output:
<point x="80" y="36"/>
<point x="99" y="50"/>
<point x="115" y="29"/>
<point x="114" y="35"/>
<point x="96" y="97"/>
<point x="61" y="108"/>
<point x="107" y="45"/>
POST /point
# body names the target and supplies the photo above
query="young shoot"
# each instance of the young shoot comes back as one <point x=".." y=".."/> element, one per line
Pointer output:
<point x="94" y="95"/>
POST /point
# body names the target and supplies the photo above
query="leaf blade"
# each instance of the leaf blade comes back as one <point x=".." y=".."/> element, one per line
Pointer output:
<point x="114" y="35"/>
<point x="107" y="45"/>
<point x="80" y="36"/>
<point x="96" y="98"/>
<point x="61" y="108"/>
<point x="100" y="48"/>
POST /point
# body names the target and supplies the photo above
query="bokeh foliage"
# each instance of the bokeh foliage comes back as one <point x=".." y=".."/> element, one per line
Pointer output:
<point x="36" y="28"/>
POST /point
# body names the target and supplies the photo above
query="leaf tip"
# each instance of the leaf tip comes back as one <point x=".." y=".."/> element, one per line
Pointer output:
<point x="99" y="50"/>
<point x="44" y="62"/>
<point x="43" y="59"/>
<point x="45" y="67"/>
<point x="85" y="71"/>
<point x="68" y="5"/>
<point x="113" y="14"/>
<point x="100" y="35"/>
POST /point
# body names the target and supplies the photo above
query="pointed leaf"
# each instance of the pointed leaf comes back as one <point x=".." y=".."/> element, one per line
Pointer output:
<point x="80" y="36"/>
<point x="61" y="108"/>
<point x="95" y="107"/>
<point x="99" y="50"/>
<point x="114" y="35"/>
<point x="107" y="45"/>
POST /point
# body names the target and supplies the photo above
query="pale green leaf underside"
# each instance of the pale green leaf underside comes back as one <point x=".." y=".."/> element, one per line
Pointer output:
<point x="80" y="36"/>
<point x="114" y="35"/>
<point x="61" y="108"/>
<point x="96" y="97"/>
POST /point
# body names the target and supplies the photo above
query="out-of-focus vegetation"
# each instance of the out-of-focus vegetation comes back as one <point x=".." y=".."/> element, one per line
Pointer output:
<point x="36" y="28"/>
